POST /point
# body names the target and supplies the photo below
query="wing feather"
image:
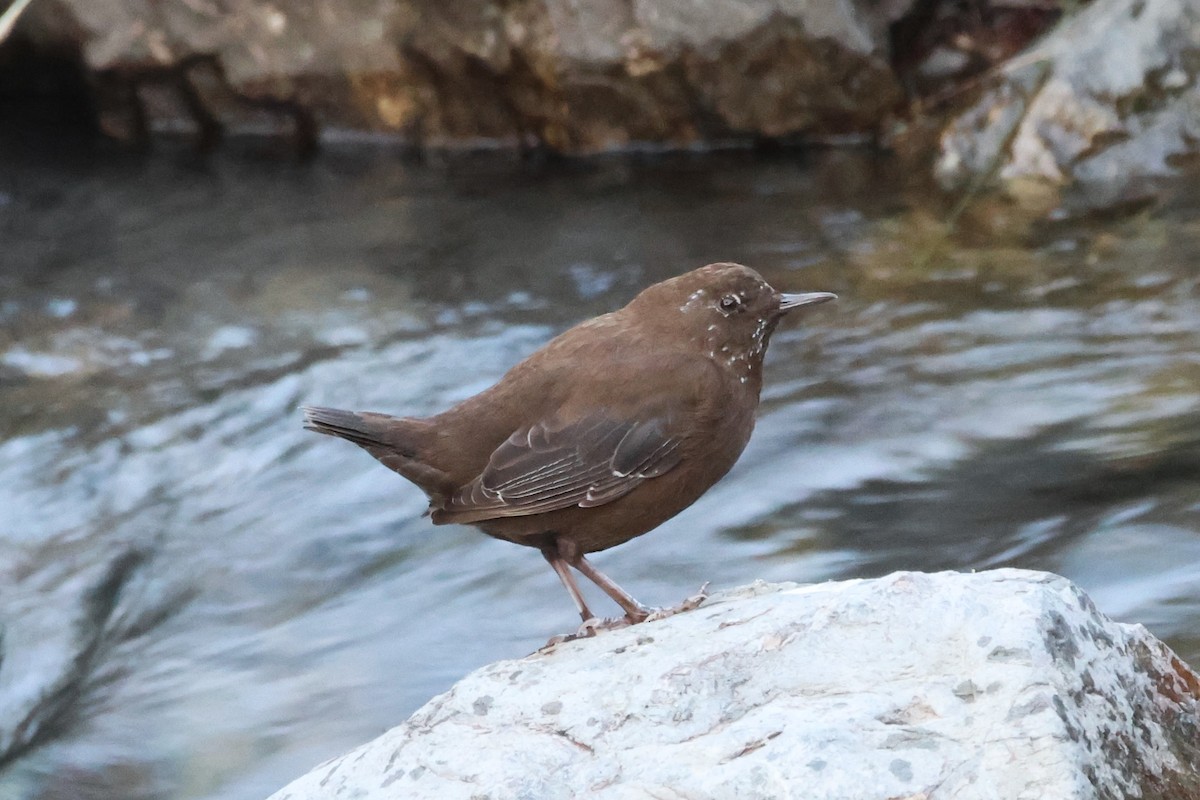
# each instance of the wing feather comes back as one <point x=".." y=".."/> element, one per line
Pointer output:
<point x="553" y="465"/>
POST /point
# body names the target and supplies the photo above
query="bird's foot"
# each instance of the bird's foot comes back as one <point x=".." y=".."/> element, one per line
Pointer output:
<point x="688" y="604"/>
<point x="594" y="625"/>
<point x="590" y="628"/>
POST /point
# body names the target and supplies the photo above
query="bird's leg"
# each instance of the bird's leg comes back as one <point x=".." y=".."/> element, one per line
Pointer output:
<point x="591" y="624"/>
<point x="635" y="612"/>
<point x="563" y="571"/>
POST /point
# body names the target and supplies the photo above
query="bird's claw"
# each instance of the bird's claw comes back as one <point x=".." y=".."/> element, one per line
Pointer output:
<point x="688" y="604"/>
<point x="594" y="625"/>
<point x="590" y="628"/>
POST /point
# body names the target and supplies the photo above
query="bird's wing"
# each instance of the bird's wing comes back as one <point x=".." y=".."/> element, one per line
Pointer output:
<point x="551" y="465"/>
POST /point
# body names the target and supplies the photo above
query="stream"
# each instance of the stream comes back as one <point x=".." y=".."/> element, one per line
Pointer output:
<point x="199" y="599"/>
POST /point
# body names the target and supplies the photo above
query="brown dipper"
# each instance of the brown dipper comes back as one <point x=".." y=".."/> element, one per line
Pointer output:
<point x="610" y="429"/>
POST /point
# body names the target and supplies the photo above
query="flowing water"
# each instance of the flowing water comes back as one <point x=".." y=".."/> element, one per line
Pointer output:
<point x="199" y="599"/>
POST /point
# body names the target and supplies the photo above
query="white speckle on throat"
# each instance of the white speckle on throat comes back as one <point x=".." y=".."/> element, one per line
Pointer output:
<point x="737" y="357"/>
<point x="741" y="363"/>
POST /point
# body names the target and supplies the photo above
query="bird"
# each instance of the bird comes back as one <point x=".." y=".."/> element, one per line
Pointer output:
<point x="608" y="430"/>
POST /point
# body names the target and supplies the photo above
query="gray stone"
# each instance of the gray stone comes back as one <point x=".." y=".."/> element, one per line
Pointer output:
<point x="574" y="76"/>
<point x="1003" y="684"/>
<point x="1109" y="97"/>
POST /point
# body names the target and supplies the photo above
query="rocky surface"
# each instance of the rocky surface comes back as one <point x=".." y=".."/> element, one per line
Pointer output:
<point x="998" y="684"/>
<point x="1109" y="97"/>
<point x="574" y="76"/>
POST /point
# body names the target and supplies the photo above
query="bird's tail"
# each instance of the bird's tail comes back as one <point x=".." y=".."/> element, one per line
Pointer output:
<point x="365" y="430"/>
<point x="395" y="441"/>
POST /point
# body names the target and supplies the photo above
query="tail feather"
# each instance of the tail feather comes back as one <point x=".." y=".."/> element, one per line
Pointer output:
<point x="394" y="441"/>
<point x="365" y="430"/>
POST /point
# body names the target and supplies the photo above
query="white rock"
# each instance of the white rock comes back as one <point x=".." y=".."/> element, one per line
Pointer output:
<point x="1005" y="684"/>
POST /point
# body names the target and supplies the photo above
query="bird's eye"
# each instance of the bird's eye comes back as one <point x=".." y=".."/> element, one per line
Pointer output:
<point x="729" y="302"/>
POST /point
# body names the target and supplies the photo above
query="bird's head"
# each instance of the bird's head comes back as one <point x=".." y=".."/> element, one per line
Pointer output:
<point x="726" y="309"/>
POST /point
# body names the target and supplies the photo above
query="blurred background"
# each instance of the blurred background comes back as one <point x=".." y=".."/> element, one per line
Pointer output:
<point x="214" y="211"/>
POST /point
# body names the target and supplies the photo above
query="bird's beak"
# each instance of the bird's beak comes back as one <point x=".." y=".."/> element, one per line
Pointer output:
<point x="787" y="302"/>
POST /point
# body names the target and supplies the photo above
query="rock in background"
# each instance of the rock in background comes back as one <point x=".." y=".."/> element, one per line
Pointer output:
<point x="574" y="76"/>
<point x="1109" y="97"/>
<point x="1105" y="99"/>
<point x="999" y="684"/>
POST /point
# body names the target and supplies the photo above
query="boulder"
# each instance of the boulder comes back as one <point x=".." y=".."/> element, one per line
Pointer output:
<point x="1111" y="96"/>
<point x="1003" y="684"/>
<point x="572" y="76"/>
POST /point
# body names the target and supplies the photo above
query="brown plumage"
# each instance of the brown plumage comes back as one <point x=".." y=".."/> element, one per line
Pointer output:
<point x="608" y="430"/>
